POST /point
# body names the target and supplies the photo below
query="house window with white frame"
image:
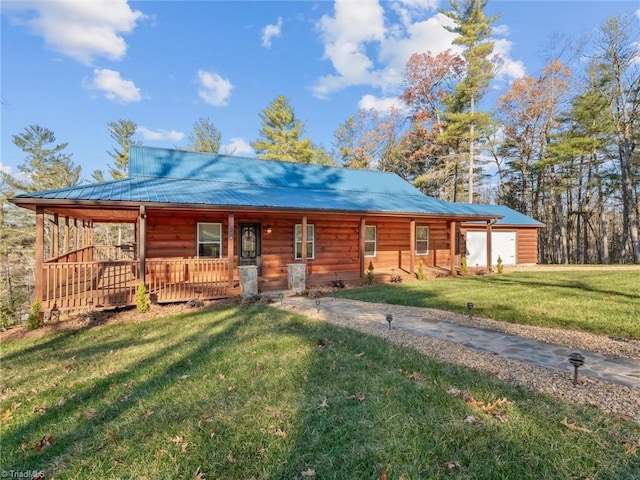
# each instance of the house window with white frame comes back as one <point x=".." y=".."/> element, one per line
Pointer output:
<point x="370" y="241"/>
<point x="311" y="244"/>
<point x="422" y="240"/>
<point x="209" y="240"/>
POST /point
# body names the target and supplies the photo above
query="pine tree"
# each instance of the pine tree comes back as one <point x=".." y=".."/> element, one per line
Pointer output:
<point x="281" y="134"/>
<point x="122" y="132"/>
<point x="205" y="137"/>
<point x="45" y="167"/>
<point x="474" y="35"/>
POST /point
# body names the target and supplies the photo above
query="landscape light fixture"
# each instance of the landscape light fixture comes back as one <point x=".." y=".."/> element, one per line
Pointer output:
<point x="268" y="229"/>
<point x="577" y="360"/>
<point x="389" y="318"/>
<point x="317" y="305"/>
<point x="470" y="308"/>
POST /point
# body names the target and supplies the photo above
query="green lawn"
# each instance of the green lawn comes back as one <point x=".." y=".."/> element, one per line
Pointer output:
<point x="254" y="392"/>
<point x="603" y="302"/>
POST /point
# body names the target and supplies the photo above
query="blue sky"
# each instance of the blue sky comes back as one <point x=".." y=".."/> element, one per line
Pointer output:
<point x="73" y="67"/>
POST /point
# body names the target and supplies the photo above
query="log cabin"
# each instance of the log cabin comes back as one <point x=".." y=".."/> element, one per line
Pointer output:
<point x="212" y="226"/>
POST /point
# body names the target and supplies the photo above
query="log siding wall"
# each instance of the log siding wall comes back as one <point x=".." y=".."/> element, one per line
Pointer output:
<point x="173" y="234"/>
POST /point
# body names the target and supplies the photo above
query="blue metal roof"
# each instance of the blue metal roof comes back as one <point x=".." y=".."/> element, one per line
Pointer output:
<point x="509" y="216"/>
<point x="164" y="176"/>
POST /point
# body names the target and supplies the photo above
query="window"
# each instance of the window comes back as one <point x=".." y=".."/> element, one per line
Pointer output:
<point x="210" y="240"/>
<point x="422" y="240"/>
<point x="310" y="241"/>
<point x="370" y="241"/>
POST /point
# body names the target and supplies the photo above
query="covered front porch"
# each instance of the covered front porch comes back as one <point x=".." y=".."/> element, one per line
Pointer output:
<point x="73" y="273"/>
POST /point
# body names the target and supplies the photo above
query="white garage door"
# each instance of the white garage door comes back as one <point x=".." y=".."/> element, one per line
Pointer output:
<point x="503" y="244"/>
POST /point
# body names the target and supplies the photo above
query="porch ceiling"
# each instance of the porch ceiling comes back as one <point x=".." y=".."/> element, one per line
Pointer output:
<point x="90" y="214"/>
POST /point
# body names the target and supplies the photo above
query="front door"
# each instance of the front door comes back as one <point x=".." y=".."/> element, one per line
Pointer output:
<point x="249" y="248"/>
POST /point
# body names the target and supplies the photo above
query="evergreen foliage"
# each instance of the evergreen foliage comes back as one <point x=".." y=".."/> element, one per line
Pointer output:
<point x="142" y="303"/>
<point x="281" y="134"/>
<point x="122" y="132"/>
<point x="205" y="137"/>
<point x="34" y="320"/>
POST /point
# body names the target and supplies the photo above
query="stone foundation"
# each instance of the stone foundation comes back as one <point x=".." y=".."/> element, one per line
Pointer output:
<point x="248" y="276"/>
<point x="296" y="277"/>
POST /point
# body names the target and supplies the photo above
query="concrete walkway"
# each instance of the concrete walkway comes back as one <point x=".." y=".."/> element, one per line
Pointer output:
<point x="619" y="370"/>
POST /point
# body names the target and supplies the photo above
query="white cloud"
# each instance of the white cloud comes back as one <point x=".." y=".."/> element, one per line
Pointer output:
<point x="238" y="146"/>
<point x="500" y="30"/>
<point x="345" y="36"/>
<point x="114" y="86"/>
<point x="270" y="32"/>
<point x="638" y="13"/>
<point x="407" y="10"/>
<point x="214" y="89"/>
<point x="508" y="68"/>
<point x="82" y="30"/>
<point x="160" y="135"/>
<point x="381" y="105"/>
<point x="367" y="48"/>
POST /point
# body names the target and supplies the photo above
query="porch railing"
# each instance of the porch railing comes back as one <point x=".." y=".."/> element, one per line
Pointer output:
<point x="69" y="285"/>
<point x="180" y="279"/>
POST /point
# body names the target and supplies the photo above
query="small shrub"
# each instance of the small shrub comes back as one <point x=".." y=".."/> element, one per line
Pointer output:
<point x="7" y="314"/>
<point x="499" y="265"/>
<point x="141" y="298"/>
<point x="33" y="321"/>
<point x="463" y="266"/>
<point x="420" y="273"/>
<point x="370" y="277"/>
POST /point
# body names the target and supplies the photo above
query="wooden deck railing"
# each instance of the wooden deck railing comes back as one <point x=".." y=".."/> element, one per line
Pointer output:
<point x="80" y="285"/>
<point x="69" y="285"/>
<point x="180" y="279"/>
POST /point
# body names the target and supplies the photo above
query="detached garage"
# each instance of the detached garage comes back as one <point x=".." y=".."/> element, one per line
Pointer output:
<point x="514" y="238"/>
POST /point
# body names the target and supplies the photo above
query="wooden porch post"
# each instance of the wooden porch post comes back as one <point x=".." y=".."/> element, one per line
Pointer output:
<point x="412" y="246"/>
<point x="489" y="252"/>
<point x="231" y="247"/>
<point x="66" y="235"/>
<point x="142" y="242"/>
<point x="361" y="236"/>
<point x="304" y="242"/>
<point x="75" y="234"/>
<point x="55" y="240"/>
<point x="452" y="248"/>
<point x="38" y="281"/>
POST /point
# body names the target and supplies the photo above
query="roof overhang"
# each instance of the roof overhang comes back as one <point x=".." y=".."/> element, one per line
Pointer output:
<point x="105" y="211"/>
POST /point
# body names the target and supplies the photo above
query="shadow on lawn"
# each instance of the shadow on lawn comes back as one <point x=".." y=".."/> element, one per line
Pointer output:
<point x="99" y="390"/>
<point x="519" y="279"/>
<point x="351" y="438"/>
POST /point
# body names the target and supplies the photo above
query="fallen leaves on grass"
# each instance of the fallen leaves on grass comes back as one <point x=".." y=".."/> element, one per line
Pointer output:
<point x="178" y="440"/>
<point x="359" y="396"/>
<point x="573" y="427"/>
<point x="146" y="413"/>
<point x="497" y="408"/>
<point x="453" y="466"/>
<point x="45" y="441"/>
<point x="90" y="414"/>
<point x="309" y="472"/>
<point x="324" y="403"/>
<point x="280" y="433"/>
<point x="415" y="376"/>
<point x="383" y="472"/>
<point x="230" y="458"/>
<point x="198" y="475"/>
<point x="8" y="413"/>
<point x="470" y="419"/>
<point x="631" y="446"/>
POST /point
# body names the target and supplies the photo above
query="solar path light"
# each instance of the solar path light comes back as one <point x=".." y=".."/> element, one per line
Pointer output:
<point x="389" y="318"/>
<point x="470" y="308"/>
<point x="577" y="360"/>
